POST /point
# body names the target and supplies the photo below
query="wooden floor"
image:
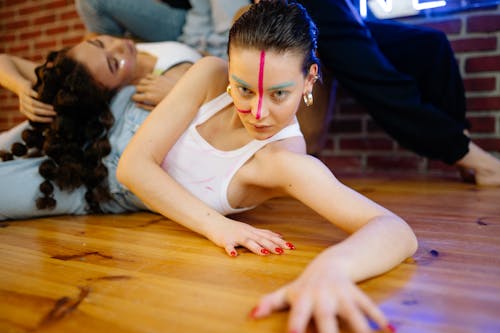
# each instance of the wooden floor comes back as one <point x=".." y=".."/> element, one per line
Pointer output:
<point x="142" y="273"/>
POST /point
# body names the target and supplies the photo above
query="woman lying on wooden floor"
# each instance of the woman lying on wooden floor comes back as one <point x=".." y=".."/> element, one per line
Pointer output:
<point x="226" y="139"/>
<point x="253" y="125"/>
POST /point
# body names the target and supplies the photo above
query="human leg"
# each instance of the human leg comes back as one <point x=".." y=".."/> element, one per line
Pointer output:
<point x="148" y="20"/>
<point x="348" y="49"/>
<point x="426" y="55"/>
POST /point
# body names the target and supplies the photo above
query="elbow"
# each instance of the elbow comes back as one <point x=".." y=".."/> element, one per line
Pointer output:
<point x="123" y="172"/>
<point x="411" y="241"/>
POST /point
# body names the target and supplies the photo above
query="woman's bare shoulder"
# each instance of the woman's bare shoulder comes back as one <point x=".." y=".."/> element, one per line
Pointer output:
<point x="213" y="74"/>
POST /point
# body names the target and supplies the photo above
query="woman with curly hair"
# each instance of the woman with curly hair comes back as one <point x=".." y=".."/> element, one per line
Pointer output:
<point x="63" y="161"/>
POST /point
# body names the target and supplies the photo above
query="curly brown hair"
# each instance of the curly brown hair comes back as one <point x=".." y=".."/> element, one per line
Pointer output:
<point x="76" y="141"/>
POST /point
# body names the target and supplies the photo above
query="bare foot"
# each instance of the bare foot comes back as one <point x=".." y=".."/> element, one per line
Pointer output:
<point x="480" y="166"/>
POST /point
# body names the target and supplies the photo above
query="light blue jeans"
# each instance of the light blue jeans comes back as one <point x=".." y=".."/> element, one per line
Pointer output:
<point x="148" y="20"/>
<point x="20" y="179"/>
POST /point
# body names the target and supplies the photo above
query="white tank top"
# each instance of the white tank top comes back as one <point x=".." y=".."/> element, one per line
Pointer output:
<point x="206" y="171"/>
<point x="169" y="54"/>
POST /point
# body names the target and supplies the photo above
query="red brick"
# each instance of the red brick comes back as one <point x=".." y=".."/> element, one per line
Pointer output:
<point x="18" y="49"/>
<point x="366" y="144"/>
<point x="449" y="27"/>
<point x="9" y="3"/>
<point x="350" y="109"/>
<point x="345" y="126"/>
<point x="483" y="103"/>
<point x="72" y="41"/>
<point x="44" y="19"/>
<point x="46" y="45"/>
<point x="474" y="44"/>
<point x="482" y="64"/>
<point x="393" y="162"/>
<point x="7" y="14"/>
<point x="30" y="35"/>
<point x="70" y="15"/>
<point x="336" y="163"/>
<point x="57" y="30"/>
<point x="29" y="10"/>
<point x="7" y="38"/>
<point x="482" y="124"/>
<point x="17" y="24"/>
<point x="57" y="4"/>
<point x="480" y="84"/>
<point x="489" y="144"/>
<point x="483" y="23"/>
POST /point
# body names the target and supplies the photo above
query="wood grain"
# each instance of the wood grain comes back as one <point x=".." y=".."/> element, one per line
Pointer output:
<point x="143" y="273"/>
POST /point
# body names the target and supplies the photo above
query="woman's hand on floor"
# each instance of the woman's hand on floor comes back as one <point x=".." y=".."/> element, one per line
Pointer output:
<point x="323" y="293"/>
<point x="259" y="241"/>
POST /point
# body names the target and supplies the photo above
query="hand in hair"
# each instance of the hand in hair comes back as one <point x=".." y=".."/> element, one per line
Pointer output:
<point x="33" y="109"/>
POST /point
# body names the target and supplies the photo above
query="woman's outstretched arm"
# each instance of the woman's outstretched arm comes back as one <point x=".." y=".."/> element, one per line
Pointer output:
<point x="379" y="240"/>
<point x="18" y="75"/>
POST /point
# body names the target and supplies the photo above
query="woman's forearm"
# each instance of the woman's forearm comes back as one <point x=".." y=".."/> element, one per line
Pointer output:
<point x="16" y="73"/>
<point x="377" y="247"/>
<point x="162" y="194"/>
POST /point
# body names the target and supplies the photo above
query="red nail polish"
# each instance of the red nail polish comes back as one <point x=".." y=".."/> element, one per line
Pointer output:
<point x="391" y="328"/>
<point x="233" y="253"/>
<point x="264" y="251"/>
<point x="253" y="312"/>
<point x="279" y="250"/>
<point x="290" y="246"/>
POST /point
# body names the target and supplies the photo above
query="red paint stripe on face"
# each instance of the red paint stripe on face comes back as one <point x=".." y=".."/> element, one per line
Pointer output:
<point x="261" y="83"/>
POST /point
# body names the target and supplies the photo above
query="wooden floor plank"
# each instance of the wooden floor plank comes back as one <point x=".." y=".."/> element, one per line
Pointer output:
<point x="143" y="273"/>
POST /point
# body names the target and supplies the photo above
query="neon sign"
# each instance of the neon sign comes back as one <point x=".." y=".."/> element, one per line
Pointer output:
<point x="399" y="8"/>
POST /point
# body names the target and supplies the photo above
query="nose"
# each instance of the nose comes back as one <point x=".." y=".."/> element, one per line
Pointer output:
<point x="259" y="108"/>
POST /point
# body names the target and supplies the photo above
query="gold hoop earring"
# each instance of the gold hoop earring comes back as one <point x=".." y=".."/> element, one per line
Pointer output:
<point x="308" y="98"/>
<point x="228" y="89"/>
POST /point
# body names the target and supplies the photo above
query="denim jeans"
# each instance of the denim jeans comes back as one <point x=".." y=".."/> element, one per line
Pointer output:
<point x="20" y="179"/>
<point x="148" y="20"/>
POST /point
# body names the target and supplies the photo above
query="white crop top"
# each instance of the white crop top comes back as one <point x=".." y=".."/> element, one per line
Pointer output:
<point x="206" y="171"/>
<point x="169" y="54"/>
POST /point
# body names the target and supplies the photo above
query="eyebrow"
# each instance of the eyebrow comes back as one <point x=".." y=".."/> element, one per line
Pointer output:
<point x="275" y="87"/>
<point x="99" y="44"/>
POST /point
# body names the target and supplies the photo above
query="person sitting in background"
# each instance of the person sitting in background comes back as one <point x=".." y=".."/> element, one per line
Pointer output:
<point x="209" y="150"/>
<point x="201" y="24"/>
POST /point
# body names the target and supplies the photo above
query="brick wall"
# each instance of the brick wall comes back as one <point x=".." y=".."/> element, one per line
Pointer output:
<point x="30" y="28"/>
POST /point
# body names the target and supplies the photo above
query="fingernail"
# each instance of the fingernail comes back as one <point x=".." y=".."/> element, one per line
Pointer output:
<point x="233" y="253"/>
<point x="391" y="328"/>
<point x="290" y="245"/>
<point x="264" y="251"/>
<point x="279" y="250"/>
<point x="253" y="313"/>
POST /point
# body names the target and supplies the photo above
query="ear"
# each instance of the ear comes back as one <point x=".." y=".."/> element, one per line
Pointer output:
<point x="311" y="78"/>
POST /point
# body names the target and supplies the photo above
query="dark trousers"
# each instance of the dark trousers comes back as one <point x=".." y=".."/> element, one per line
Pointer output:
<point x="406" y="76"/>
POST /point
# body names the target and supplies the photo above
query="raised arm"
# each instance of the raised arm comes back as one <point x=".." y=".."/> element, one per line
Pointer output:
<point x="139" y="167"/>
<point x="18" y="75"/>
<point x="379" y="240"/>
